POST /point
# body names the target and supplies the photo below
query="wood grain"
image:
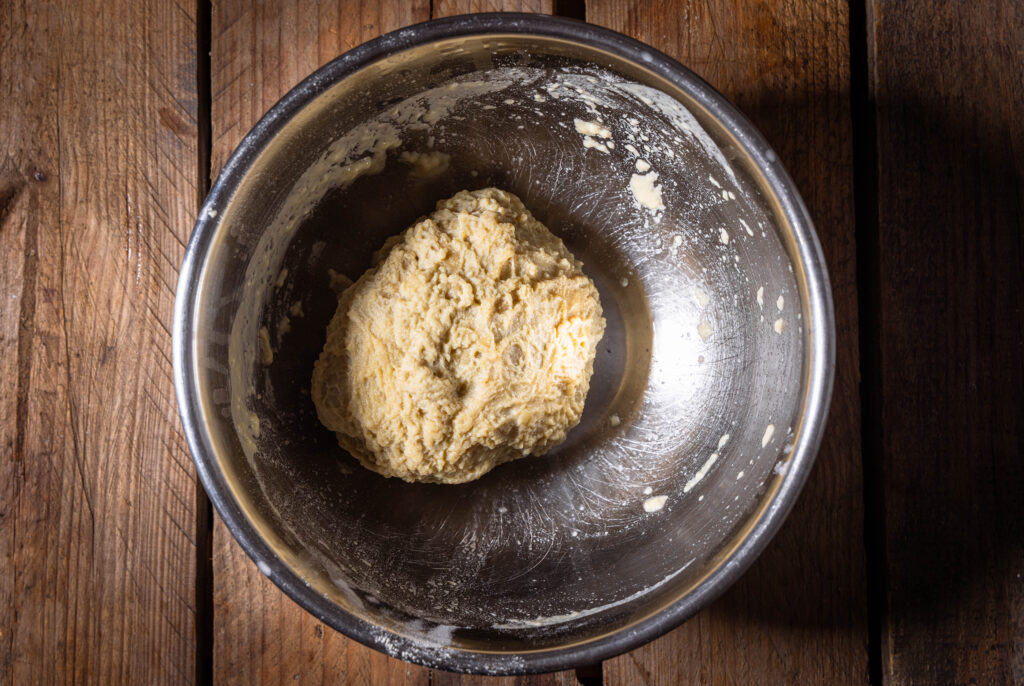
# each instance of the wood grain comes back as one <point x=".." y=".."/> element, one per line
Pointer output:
<point x="439" y="678"/>
<point x="259" y="51"/>
<point x="447" y="8"/>
<point x="97" y="194"/>
<point x="799" y="614"/>
<point x="949" y="95"/>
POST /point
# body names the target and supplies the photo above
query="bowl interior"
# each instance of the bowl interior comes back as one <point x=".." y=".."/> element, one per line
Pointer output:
<point x="699" y="383"/>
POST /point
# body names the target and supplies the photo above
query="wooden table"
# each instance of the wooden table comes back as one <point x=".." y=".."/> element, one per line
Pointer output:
<point x="901" y="122"/>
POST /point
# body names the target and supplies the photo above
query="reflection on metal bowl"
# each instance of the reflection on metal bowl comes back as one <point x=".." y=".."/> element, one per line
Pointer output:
<point x="710" y="387"/>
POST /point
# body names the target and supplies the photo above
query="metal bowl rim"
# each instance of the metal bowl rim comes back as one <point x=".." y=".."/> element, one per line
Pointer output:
<point x="816" y="400"/>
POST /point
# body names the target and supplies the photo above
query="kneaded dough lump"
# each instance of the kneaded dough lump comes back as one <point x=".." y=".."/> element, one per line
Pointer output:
<point x="470" y="343"/>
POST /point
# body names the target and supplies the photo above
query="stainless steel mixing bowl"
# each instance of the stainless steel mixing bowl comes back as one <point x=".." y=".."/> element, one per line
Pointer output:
<point x="711" y="385"/>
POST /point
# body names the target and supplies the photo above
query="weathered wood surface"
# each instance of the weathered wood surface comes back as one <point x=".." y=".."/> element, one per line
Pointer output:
<point x="947" y="81"/>
<point x="98" y="190"/>
<point x="448" y="8"/>
<point x="101" y="166"/>
<point x="799" y="615"/>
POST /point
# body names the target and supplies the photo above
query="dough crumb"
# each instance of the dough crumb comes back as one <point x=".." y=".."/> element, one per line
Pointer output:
<point x="426" y="165"/>
<point x="339" y="282"/>
<point x="614" y="420"/>
<point x="779" y="325"/>
<point x="656" y="503"/>
<point x="645" y="191"/>
<point x="470" y="343"/>
<point x="704" y="329"/>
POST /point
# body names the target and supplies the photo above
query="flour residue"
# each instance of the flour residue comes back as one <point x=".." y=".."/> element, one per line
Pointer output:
<point x="704" y="330"/>
<point x="701" y="473"/>
<point x="592" y="128"/>
<point x="569" y="616"/>
<point x="426" y="165"/>
<point x="646" y="192"/>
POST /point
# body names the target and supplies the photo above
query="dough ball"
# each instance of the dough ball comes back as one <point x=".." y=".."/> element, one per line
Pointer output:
<point x="470" y="343"/>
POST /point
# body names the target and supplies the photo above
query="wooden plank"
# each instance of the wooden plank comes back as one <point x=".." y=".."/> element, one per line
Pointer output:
<point x="97" y="194"/>
<point x="799" y="614"/>
<point x="448" y="8"/>
<point x="950" y="141"/>
<point x="568" y="678"/>
<point x="259" y="51"/>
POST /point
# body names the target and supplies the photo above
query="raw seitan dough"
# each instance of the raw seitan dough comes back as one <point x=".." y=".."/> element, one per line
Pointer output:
<point x="470" y="343"/>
